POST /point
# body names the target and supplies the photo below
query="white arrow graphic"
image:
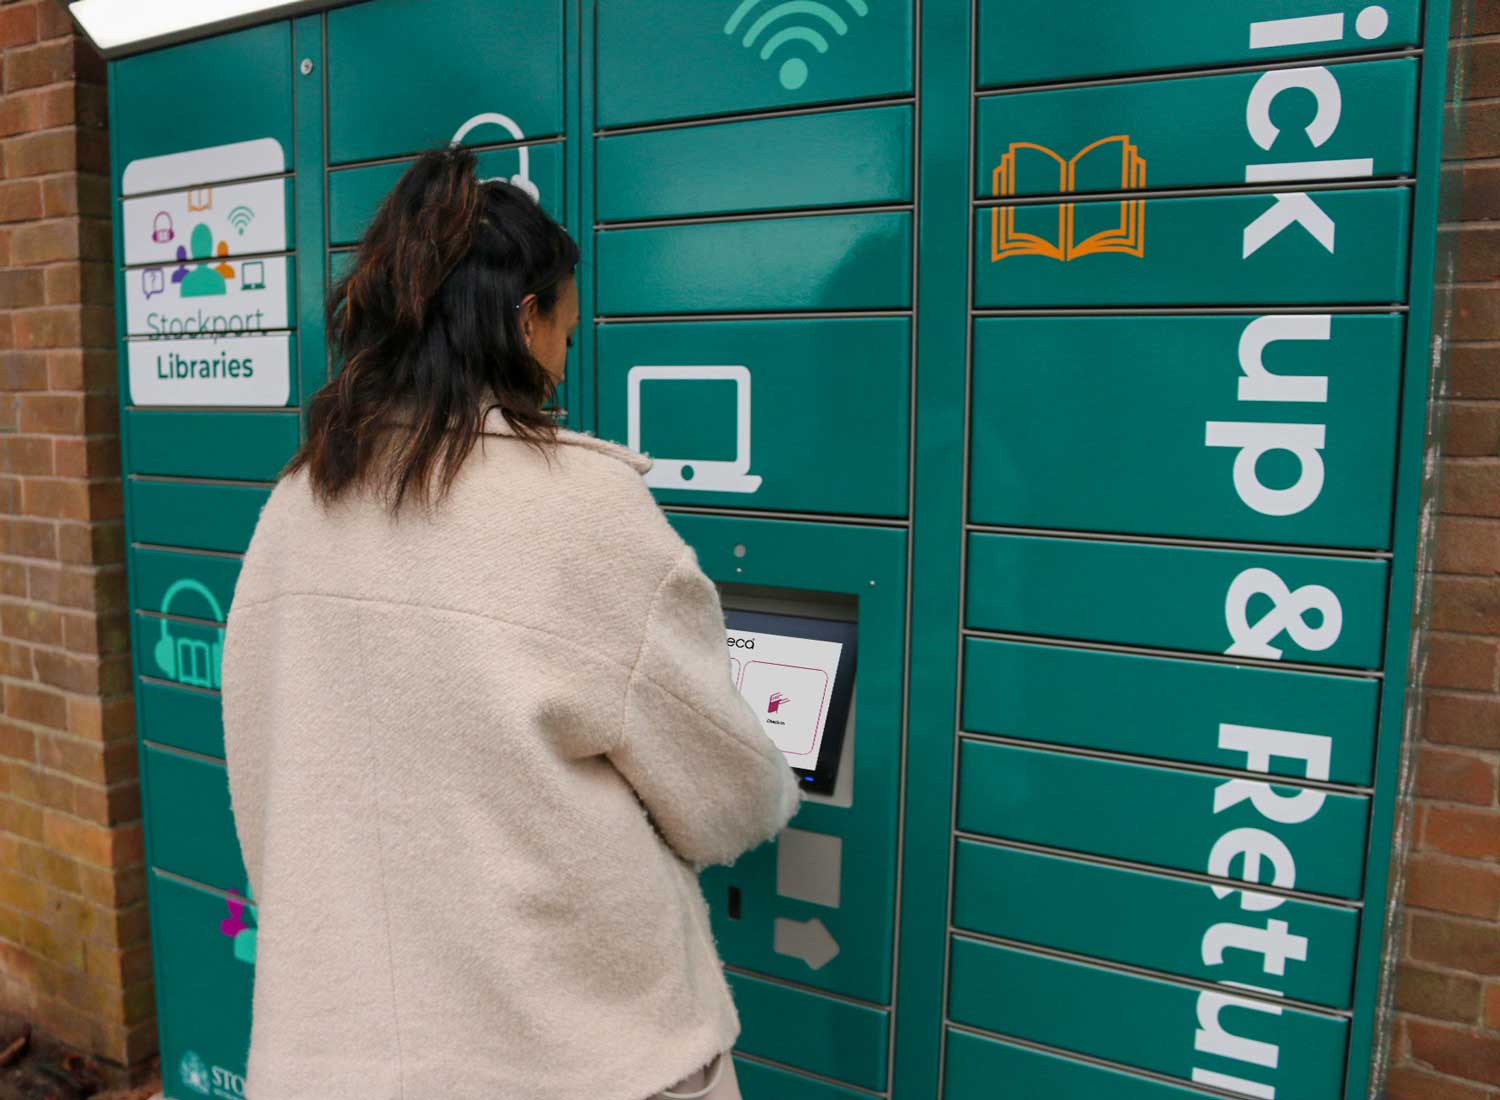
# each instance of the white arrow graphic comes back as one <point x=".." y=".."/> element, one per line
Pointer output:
<point x="805" y="940"/>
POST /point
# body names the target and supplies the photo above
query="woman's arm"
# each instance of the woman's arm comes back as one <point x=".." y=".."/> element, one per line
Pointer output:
<point x="713" y="782"/>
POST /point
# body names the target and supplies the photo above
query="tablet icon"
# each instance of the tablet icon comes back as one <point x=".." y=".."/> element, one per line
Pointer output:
<point x="695" y="472"/>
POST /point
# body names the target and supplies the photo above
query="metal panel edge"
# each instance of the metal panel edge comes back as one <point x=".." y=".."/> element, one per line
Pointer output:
<point x="944" y="81"/>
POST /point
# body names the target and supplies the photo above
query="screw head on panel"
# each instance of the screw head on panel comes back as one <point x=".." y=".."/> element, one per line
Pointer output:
<point x="306" y="67"/>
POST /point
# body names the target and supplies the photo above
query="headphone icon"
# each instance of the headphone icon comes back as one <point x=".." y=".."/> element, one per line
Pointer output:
<point x="161" y="228"/>
<point x="521" y="179"/>
<point x="191" y="660"/>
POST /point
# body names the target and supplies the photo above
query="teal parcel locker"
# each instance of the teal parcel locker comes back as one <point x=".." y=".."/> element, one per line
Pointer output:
<point x="1070" y="358"/>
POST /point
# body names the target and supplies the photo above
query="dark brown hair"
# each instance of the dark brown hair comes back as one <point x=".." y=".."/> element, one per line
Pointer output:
<point x="425" y="326"/>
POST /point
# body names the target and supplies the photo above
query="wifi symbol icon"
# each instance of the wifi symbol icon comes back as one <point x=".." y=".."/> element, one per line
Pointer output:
<point x="793" y="70"/>
<point x="241" y="217"/>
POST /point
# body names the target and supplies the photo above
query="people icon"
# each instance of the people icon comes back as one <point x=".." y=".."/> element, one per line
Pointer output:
<point x="203" y="280"/>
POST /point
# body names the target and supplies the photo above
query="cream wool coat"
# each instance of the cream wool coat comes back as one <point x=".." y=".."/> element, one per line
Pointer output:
<point x="474" y="761"/>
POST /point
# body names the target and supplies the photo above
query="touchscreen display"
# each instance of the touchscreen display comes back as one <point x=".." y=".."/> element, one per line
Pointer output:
<point x="789" y="683"/>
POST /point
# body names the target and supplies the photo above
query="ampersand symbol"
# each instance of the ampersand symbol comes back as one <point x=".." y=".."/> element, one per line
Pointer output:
<point x="1289" y="614"/>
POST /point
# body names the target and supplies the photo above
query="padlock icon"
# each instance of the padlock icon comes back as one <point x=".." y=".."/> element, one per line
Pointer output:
<point x="161" y="228"/>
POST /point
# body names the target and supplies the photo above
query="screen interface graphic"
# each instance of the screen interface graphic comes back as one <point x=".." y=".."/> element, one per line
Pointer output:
<point x="788" y="682"/>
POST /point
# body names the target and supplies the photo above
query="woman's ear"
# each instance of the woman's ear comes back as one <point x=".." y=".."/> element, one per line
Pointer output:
<point x="526" y="318"/>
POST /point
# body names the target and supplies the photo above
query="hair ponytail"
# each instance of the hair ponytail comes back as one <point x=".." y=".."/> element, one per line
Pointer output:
<point x="424" y="332"/>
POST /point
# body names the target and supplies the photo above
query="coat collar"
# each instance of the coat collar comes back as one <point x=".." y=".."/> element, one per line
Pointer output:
<point x="495" y="424"/>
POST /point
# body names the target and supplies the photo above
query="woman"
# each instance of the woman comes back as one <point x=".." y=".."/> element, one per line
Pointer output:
<point x="478" y="715"/>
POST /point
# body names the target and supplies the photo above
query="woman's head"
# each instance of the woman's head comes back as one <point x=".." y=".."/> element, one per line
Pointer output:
<point x="461" y="300"/>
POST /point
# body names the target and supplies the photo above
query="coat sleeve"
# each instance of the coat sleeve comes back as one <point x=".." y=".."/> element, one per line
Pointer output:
<point x="713" y="782"/>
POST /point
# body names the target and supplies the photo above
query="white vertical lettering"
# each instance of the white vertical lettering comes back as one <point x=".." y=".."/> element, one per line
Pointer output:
<point x="1261" y="746"/>
<point x="1212" y="1038"/>
<point x="1286" y="614"/>
<point x="1230" y="1083"/>
<point x="1289" y="210"/>
<point x="1302" y="441"/>
<point x="1275" y="942"/>
<point x="1260" y="384"/>
<point x="1274" y="34"/>
<point x="1310" y="170"/>
<point x="1292" y="809"/>
<point x="1318" y="80"/>
<point x="1253" y="846"/>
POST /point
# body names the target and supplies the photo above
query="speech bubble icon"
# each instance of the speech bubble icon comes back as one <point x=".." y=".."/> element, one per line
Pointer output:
<point x="153" y="281"/>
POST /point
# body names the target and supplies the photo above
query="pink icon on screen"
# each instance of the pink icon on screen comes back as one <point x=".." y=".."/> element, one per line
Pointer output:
<point x="776" y="701"/>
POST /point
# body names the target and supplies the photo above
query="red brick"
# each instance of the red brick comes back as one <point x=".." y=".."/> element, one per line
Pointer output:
<point x="95" y="544"/>
<point x="1476" y="313"/>
<point x="1478" y="252"/>
<point x="36" y="707"/>
<point x="1472" y="428"/>
<point x="18" y="25"/>
<point x="1466" y="605"/>
<point x="88" y="283"/>
<point x="13" y="580"/>
<point x="1483" y="64"/>
<point x="21" y="287"/>
<point x="1414" y="1083"/>
<point x="16" y="742"/>
<point x="76" y="194"/>
<point x="1473" y="369"/>
<point x="56" y="498"/>
<point x="28" y="155"/>
<point x="79" y="759"/>
<point x="94" y="369"/>
<point x="56" y="327"/>
<point x="52" y="20"/>
<point x="1458" y="1052"/>
<point x="1454" y="943"/>
<point x="1471" y="487"/>
<point x="88" y="843"/>
<point x="20" y="819"/>
<point x="44" y="63"/>
<point x="97" y="456"/>
<point x="16" y="660"/>
<point x="1466" y="833"/>
<point x="44" y="242"/>
<point x="26" y="455"/>
<point x="25" y="538"/>
<point x="1465" y="545"/>
<point x="23" y="370"/>
<point x="31" y="623"/>
<point x="1492" y="1006"/>
<point x="53" y="414"/>
<point x="1469" y="720"/>
<point x="19" y="892"/>
<point x="20" y="200"/>
<point x="49" y="868"/>
<point x="1450" y="776"/>
<point x="1438" y="995"/>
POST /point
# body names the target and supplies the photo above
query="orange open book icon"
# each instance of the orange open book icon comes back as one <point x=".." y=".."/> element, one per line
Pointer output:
<point x="1127" y="235"/>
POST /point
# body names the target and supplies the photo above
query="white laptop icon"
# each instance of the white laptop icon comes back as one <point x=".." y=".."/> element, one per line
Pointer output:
<point x="689" y="471"/>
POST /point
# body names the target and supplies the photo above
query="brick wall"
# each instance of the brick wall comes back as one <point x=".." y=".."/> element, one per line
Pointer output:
<point x="74" y="954"/>
<point x="1447" y="1031"/>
